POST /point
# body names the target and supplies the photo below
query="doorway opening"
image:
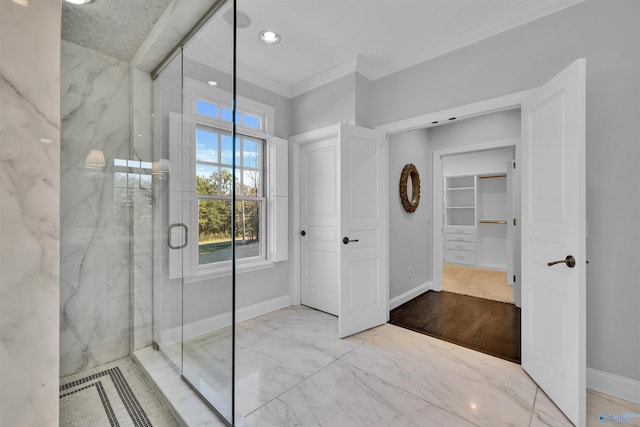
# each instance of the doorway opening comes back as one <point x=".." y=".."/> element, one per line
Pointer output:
<point x="479" y="217"/>
<point x="476" y="301"/>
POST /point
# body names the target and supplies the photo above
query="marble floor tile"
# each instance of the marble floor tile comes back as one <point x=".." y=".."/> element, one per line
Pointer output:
<point x="342" y="395"/>
<point x="271" y="365"/>
<point x="315" y="328"/>
<point x="293" y="370"/>
<point x="546" y="414"/>
<point x="482" y="389"/>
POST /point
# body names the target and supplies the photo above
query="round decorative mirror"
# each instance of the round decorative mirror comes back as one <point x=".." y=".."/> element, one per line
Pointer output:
<point x="410" y="188"/>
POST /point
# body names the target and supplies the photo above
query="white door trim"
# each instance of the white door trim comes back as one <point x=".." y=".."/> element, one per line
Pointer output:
<point x="437" y="182"/>
<point x="505" y="102"/>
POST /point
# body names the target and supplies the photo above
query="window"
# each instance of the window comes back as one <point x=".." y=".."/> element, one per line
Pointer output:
<point x="214" y="186"/>
<point x="204" y="186"/>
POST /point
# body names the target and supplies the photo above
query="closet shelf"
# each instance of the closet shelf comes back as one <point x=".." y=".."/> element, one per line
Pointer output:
<point x="460" y="188"/>
<point x="493" y="221"/>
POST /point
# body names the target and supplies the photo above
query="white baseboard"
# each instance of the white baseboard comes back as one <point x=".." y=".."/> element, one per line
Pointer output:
<point x="613" y="385"/>
<point x="409" y="295"/>
<point x="210" y="324"/>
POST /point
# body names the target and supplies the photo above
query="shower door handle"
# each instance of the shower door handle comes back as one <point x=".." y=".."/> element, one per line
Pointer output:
<point x="170" y="231"/>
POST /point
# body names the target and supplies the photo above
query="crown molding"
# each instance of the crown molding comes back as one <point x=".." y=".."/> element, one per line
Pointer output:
<point x="323" y="78"/>
<point x="265" y="83"/>
<point x="356" y="65"/>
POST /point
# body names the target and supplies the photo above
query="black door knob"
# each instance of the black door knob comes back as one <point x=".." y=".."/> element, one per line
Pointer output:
<point x="303" y="233"/>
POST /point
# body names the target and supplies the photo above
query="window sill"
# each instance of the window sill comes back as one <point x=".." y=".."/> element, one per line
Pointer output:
<point x="241" y="268"/>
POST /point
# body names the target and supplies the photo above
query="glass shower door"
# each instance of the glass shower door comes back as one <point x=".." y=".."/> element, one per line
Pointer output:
<point x="194" y="154"/>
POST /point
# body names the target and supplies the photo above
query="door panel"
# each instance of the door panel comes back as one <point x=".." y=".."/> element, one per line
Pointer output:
<point x="553" y="226"/>
<point x="363" y="220"/>
<point x="319" y="219"/>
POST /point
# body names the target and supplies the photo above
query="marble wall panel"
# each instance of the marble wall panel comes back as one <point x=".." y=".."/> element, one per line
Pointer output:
<point x="29" y="211"/>
<point x="95" y="210"/>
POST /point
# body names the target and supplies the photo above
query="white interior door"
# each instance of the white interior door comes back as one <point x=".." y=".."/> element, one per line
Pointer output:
<point x="553" y="228"/>
<point x="319" y="220"/>
<point x="363" y="225"/>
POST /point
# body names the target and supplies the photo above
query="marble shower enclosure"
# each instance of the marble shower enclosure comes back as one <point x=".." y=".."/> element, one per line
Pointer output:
<point x="95" y="208"/>
<point x="29" y="212"/>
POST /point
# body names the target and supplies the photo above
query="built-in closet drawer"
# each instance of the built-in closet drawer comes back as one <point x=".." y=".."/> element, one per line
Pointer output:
<point x="459" y="257"/>
<point x="461" y="246"/>
<point x="449" y="229"/>
<point x="453" y="237"/>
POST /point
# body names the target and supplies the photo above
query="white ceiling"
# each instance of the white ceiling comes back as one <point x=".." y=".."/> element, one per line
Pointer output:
<point x="325" y="39"/>
<point x="321" y="39"/>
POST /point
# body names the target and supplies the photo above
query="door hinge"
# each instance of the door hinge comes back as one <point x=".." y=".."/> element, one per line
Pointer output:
<point x="514" y="165"/>
<point x="515" y="222"/>
<point x="514" y="278"/>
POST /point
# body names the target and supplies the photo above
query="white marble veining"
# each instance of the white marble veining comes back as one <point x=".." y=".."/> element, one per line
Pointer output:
<point x="269" y="362"/>
<point x="343" y="395"/>
<point x="95" y="260"/>
<point x="390" y="376"/>
<point x="29" y="212"/>
<point x="546" y="414"/>
<point x="484" y="390"/>
<point x="311" y="327"/>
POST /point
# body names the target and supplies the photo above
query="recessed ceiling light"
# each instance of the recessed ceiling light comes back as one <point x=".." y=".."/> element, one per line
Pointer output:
<point x="212" y="83"/>
<point x="79" y="1"/>
<point x="269" y="37"/>
<point x="24" y="3"/>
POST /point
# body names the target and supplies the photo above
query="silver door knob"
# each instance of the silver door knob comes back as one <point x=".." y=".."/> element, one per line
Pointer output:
<point x="569" y="260"/>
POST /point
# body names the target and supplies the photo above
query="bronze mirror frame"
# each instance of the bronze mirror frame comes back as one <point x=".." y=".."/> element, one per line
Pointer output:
<point x="410" y="172"/>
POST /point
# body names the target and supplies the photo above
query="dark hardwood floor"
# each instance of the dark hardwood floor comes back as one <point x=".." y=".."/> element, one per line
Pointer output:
<point x="491" y="327"/>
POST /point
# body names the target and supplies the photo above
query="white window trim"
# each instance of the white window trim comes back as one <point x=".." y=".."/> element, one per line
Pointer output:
<point x="274" y="183"/>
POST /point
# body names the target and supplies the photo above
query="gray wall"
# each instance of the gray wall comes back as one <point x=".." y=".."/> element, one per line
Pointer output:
<point x="29" y="212"/>
<point x="363" y="101"/>
<point x="409" y="243"/>
<point x="329" y="104"/>
<point x="606" y="33"/>
<point x="347" y="99"/>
